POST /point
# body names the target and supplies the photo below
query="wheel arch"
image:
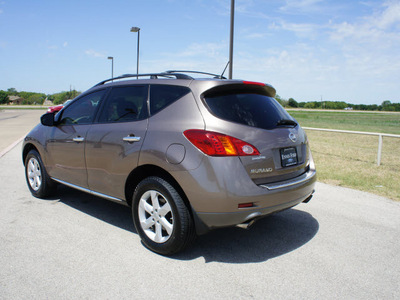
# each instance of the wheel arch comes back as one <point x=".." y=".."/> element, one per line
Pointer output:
<point x="28" y="147"/>
<point x="142" y="172"/>
<point x="145" y="171"/>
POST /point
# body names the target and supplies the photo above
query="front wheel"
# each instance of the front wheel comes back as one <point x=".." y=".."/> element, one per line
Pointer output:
<point x="161" y="217"/>
<point x="39" y="182"/>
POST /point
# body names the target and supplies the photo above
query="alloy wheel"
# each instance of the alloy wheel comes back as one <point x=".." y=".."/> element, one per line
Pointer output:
<point x="155" y="216"/>
<point x="34" y="173"/>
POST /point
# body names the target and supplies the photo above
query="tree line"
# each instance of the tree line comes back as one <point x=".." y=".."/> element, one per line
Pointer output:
<point x="340" y="105"/>
<point x="59" y="98"/>
<point x="31" y="98"/>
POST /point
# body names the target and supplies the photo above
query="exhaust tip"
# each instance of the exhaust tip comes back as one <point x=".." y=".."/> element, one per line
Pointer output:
<point x="309" y="197"/>
<point x="246" y="225"/>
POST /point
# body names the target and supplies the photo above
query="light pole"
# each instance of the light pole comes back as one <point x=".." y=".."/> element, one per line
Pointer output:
<point x="137" y="29"/>
<point x="112" y="66"/>
<point x="231" y="39"/>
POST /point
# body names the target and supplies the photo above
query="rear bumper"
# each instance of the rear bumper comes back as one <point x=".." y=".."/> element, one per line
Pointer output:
<point x="207" y="221"/>
<point x="215" y="197"/>
<point x="288" y="183"/>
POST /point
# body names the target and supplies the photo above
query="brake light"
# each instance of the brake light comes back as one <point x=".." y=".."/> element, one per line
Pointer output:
<point x="254" y="83"/>
<point x="218" y="144"/>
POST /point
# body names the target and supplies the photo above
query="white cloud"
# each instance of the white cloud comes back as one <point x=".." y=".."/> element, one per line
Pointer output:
<point x="65" y="44"/>
<point x="346" y="60"/>
<point x="210" y="57"/>
<point x="300" y="5"/>
<point x="391" y="16"/>
<point x="371" y="29"/>
<point x="370" y="46"/>
<point x="93" y="53"/>
<point x="203" y="50"/>
<point x="302" y="30"/>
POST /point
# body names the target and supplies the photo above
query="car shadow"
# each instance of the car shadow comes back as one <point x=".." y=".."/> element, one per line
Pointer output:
<point x="268" y="238"/>
<point x="107" y="211"/>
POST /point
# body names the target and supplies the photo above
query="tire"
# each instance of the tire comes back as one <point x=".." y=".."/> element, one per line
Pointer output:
<point x="39" y="182"/>
<point x="161" y="217"/>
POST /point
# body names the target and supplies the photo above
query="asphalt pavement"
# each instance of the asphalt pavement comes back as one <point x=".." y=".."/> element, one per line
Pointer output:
<point x="343" y="244"/>
<point x="15" y="124"/>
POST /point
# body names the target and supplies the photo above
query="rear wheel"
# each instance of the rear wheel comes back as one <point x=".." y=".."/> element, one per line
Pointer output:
<point x="161" y="217"/>
<point x="39" y="182"/>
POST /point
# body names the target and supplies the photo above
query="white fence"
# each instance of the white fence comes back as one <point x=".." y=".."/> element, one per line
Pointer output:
<point x="381" y="135"/>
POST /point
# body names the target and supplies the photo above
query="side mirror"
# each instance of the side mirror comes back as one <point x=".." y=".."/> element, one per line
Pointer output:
<point x="47" y="119"/>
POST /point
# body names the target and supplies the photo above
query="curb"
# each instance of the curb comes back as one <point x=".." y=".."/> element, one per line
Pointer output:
<point x="9" y="148"/>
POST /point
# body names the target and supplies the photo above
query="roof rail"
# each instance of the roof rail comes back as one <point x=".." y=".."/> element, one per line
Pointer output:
<point x="195" y="72"/>
<point x="167" y="74"/>
<point x="151" y="75"/>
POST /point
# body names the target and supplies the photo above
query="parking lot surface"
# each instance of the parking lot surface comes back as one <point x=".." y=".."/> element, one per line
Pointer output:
<point x="342" y="244"/>
<point x="14" y="124"/>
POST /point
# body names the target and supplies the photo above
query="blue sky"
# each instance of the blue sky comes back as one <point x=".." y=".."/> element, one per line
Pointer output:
<point x="340" y="50"/>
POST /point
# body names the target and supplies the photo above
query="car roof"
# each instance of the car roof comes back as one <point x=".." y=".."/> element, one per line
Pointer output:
<point x="171" y="74"/>
<point x="202" y="81"/>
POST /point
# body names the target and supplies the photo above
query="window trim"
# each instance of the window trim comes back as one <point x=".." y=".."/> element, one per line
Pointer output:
<point x="59" y="115"/>
<point x="149" y="96"/>
<point x="104" y="101"/>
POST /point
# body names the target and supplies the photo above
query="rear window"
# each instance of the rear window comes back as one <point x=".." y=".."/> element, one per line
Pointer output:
<point x="246" y="107"/>
<point x="163" y="95"/>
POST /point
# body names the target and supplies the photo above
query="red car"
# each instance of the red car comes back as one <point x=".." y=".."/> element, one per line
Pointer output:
<point x="57" y="108"/>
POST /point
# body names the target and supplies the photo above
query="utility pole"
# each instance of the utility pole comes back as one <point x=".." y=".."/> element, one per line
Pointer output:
<point x="231" y="39"/>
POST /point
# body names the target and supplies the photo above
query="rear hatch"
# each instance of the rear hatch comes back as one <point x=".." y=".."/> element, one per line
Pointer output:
<point x="249" y="112"/>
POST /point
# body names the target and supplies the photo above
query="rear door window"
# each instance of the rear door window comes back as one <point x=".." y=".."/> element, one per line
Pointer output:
<point x="163" y="95"/>
<point x="246" y="107"/>
<point x="125" y="104"/>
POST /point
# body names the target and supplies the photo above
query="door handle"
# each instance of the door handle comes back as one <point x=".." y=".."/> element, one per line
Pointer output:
<point x="131" y="139"/>
<point x="78" y="139"/>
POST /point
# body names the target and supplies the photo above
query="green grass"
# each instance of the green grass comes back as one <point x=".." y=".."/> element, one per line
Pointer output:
<point x="12" y="107"/>
<point x="350" y="160"/>
<point x="355" y="121"/>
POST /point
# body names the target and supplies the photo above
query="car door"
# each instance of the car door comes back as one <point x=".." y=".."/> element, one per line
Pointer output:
<point x="114" y="142"/>
<point x="66" y="142"/>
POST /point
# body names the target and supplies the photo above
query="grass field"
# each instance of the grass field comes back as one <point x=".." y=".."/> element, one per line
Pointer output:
<point x="349" y="120"/>
<point x="350" y="160"/>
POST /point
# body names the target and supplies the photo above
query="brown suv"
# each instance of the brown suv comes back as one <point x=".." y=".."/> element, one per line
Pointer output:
<point x="188" y="155"/>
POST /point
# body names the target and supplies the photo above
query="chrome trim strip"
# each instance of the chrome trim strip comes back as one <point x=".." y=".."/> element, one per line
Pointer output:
<point x="77" y="187"/>
<point x="301" y="179"/>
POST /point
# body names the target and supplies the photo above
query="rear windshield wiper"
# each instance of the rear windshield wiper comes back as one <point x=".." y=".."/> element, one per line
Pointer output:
<point x="286" y="122"/>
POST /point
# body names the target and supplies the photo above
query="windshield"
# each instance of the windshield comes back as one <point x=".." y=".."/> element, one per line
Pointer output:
<point x="252" y="109"/>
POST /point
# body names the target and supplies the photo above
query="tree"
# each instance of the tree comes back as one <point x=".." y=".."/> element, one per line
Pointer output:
<point x="293" y="103"/>
<point x="281" y="101"/>
<point x="12" y="92"/>
<point x="3" y="97"/>
<point x="313" y="104"/>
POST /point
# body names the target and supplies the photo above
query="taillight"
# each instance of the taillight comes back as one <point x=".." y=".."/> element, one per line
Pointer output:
<point x="218" y="144"/>
<point x="254" y="83"/>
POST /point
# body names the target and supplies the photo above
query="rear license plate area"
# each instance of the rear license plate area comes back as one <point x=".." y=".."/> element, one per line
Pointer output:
<point x="288" y="157"/>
